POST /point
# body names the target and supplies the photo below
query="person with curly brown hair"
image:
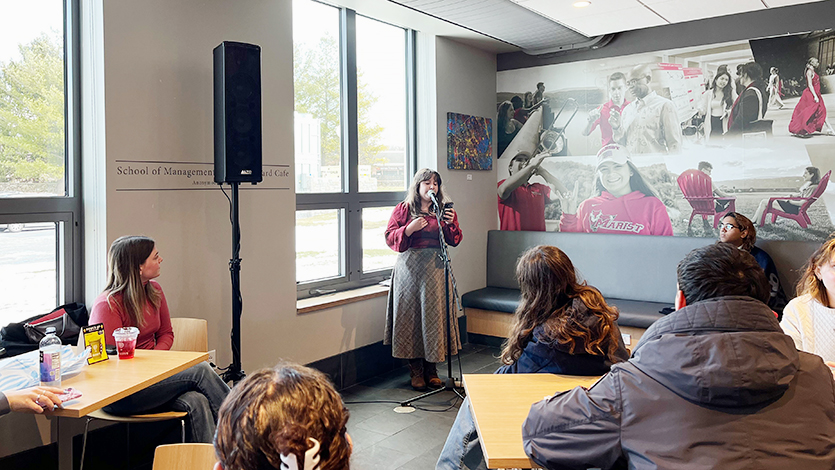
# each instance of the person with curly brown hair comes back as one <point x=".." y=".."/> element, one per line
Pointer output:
<point x="561" y="326"/>
<point x="285" y="417"/>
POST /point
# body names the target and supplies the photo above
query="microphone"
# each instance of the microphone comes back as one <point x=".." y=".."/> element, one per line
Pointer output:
<point x="431" y="195"/>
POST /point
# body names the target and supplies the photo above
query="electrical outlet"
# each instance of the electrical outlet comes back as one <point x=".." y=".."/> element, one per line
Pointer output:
<point x="213" y="356"/>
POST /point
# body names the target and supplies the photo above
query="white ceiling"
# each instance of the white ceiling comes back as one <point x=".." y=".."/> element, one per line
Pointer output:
<point x="542" y="26"/>
<point x="614" y="16"/>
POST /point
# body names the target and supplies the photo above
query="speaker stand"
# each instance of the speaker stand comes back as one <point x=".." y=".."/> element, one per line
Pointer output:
<point x="234" y="373"/>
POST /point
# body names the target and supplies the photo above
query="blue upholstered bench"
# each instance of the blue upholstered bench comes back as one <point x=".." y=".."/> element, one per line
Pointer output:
<point x="635" y="273"/>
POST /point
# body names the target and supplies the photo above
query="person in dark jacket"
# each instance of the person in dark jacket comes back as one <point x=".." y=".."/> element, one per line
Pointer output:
<point x="752" y="103"/>
<point x="561" y="326"/>
<point x="740" y="232"/>
<point x="715" y="384"/>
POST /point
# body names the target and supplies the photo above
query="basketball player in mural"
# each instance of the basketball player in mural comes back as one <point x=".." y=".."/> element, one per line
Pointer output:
<point x="603" y="115"/>
<point x="521" y="203"/>
<point x="624" y="202"/>
<point x="650" y="123"/>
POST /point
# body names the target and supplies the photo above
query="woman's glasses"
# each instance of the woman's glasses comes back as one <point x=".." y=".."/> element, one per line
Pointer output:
<point x="727" y="226"/>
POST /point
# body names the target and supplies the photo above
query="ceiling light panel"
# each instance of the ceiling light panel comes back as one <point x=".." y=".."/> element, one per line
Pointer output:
<point x="601" y="17"/>
<point x="785" y="3"/>
<point x="679" y="11"/>
<point x="500" y="19"/>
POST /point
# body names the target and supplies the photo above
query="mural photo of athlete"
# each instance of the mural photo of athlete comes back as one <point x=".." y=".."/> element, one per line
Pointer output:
<point x="624" y="201"/>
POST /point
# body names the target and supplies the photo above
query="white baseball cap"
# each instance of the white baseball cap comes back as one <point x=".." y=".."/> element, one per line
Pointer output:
<point x="613" y="153"/>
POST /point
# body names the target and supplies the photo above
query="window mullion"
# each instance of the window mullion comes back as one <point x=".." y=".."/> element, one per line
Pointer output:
<point x="353" y="217"/>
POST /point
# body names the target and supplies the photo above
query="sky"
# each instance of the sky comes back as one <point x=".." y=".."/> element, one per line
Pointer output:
<point x="24" y="20"/>
<point x="380" y="57"/>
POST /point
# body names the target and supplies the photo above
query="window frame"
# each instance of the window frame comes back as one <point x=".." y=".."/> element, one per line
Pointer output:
<point x="350" y="199"/>
<point x="65" y="210"/>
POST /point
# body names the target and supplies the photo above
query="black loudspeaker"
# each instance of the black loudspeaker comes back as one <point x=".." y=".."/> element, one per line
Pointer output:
<point x="237" y="90"/>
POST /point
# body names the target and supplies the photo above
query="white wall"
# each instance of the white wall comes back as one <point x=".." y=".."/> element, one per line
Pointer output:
<point x="466" y="84"/>
<point x="158" y="106"/>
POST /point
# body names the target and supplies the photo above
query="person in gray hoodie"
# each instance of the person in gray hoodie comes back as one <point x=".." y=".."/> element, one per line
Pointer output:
<point x="715" y="384"/>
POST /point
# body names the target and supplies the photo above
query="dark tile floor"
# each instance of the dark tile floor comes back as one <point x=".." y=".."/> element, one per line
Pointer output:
<point x="387" y="440"/>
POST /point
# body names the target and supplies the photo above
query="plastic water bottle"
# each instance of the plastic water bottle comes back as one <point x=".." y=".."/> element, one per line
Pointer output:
<point x="50" y="359"/>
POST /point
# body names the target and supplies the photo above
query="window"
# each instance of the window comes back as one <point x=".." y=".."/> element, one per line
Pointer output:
<point x="354" y="143"/>
<point x="40" y="203"/>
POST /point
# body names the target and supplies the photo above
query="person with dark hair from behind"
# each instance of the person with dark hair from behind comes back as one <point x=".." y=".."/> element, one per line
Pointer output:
<point x="740" y="232"/>
<point x="606" y="113"/>
<point x="752" y="102"/>
<point x="286" y="417"/>
<point x="715" y="384"/>
<point x="561" y="326"/>
<point x="810" y="317"/>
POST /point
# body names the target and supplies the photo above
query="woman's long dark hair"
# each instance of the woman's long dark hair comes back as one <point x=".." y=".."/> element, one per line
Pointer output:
<point x="572" y="313"/>
<point x="502" y="119"/>
<point x="816" y="174"/>
<point x="727" y="92"/>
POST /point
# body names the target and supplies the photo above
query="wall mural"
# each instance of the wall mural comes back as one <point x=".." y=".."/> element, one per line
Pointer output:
<point x="664" y="143"/>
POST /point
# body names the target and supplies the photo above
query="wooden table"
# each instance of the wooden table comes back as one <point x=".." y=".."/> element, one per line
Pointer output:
<point x="107" y="382"/>
<point x="501" y="402"/>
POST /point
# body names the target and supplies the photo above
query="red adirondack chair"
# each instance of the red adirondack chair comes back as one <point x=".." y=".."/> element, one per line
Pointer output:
<point x="697" y="188"/>
<point x="801" y="217"/>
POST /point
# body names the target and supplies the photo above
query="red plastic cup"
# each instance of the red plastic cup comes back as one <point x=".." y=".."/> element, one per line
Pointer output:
<point x="126" y="341"/>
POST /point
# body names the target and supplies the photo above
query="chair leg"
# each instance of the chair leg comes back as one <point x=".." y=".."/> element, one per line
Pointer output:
<point x="84" y="443"/>
<point x="183" y="430"/>
<point x="127" y="431"/>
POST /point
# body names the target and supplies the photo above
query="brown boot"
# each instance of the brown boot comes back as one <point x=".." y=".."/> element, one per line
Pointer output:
<point x="416" y="374"/>
<point x="430" y="373"/>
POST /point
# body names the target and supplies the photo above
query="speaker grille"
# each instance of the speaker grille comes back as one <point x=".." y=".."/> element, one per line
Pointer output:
<point x="237" y="75"/>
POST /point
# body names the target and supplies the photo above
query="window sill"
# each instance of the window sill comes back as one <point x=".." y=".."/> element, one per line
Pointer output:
<point x="336" y="299"/>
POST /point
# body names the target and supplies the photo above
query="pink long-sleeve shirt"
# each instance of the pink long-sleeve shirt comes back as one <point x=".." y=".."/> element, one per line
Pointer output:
<point x="427" y="238"/>
<point x="157" y="332"/>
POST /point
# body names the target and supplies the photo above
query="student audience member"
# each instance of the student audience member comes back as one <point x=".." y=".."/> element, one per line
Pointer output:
<point x="715" y="384"/>
<point x="810" y="317"/>
<point x="288" y="417"/>
<point x="522" y="204"/>
<point x="811" y="179"/>
<point x="740" y="232"/>
<point x="133" y="298"/>
<point x="650" y="123"/>
<point x="35" y="399"/>
<point x="624" y="202"/>
<point x="561" y="326"/>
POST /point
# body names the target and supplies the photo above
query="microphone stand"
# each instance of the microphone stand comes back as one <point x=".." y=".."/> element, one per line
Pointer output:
<point x="449" y="385"/>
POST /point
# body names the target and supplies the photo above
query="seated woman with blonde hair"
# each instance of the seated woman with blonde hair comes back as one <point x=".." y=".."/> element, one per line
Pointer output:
<point x="810" y="317"/>
<point x="288" y="417"/>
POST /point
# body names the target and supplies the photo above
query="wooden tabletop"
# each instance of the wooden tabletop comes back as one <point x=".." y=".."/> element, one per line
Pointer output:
<point x="500" y="404"/>
<point x="109" y="381"/>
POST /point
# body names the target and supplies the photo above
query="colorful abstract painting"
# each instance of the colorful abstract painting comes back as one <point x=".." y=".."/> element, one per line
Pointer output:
<point x="469" y="142"/>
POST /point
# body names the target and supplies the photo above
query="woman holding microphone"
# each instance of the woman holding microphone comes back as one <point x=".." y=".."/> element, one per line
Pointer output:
<point x="415" y="324"/>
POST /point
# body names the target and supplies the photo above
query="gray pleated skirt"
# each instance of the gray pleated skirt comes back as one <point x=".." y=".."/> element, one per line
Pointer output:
<point x="415" y="326"/>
